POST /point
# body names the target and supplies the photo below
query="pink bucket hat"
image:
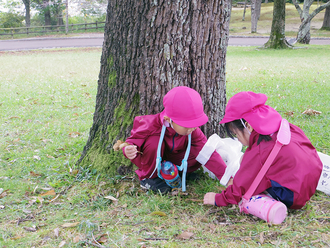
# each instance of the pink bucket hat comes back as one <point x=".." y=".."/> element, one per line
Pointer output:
<point x="251" y="106"/>
<point x="185" y="107"/>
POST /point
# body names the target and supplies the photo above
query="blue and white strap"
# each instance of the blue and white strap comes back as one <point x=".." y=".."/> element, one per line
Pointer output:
<point x="184" y="163"/>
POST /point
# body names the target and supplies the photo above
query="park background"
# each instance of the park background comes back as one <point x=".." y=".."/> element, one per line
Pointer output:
<point x="47" y="99"/>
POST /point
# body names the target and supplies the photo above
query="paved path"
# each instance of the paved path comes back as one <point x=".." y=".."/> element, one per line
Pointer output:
<point x="96" y="40"/>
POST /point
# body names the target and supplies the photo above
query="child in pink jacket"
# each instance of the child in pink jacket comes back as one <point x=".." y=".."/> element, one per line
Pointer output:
<point x="293" y="176"/>
<point x="183" y="114"/>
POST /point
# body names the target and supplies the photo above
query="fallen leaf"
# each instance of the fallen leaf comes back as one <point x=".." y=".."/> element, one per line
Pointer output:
<point x="61" y="244"/>
<point x="33" y="174"/>
<point x="74" y="134"/>
<point x="262" y="240"/>
<point x="185" y="235"/>
<point x="104" y="224"/>
<point x="289" y="113"/>
<point x="103" y="239"/>
<point x="111" y="198"/>
<point x="29" y="229"/>
<point x="36" y="157"/>
<point x="76" y="239"/>
<point x="57" y="232"/>
<point x="159" y="213"/>
<point x="14" y="117"/>
<point x="311" y="112"/>
<point x="119" y="145"/>
<point x="49" y="156"/>
<point x="50" y="192"/>
<point x="70" y="224"/>
<point x="4" y="193"/>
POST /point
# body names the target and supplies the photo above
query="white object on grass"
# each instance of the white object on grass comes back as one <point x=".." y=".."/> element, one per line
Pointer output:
<point x="324" y="181"/>
<point x="229" y="149"/>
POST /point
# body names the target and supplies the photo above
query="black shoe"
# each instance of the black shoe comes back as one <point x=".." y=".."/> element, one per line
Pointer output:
<point x="193" y="176"/>
<point x="155" y="184"/>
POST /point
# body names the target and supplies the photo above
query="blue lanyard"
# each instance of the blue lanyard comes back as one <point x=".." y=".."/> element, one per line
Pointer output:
<point x="184" y="163"/>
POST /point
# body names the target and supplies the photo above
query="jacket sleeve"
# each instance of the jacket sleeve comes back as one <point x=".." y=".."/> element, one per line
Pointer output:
<point x="215" y="163"/>
<point x="250" y="165"/>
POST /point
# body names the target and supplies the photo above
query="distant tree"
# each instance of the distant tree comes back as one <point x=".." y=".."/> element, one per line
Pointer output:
<point x="91" y="7"/>
<point x="57" y="8"/>
<point x="150" y="47"/>
<point x="277" y="34"/>
<point x="326" y="20"/>
<point x="44" y="7"/>
<point x="255" y="14"/>
<point x="243" y="18"/>
<point x="27" y="13"/>
<point x="304" y="35"/>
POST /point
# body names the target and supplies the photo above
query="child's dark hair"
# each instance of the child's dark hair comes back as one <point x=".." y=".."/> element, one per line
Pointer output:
<point x="237" y="124"/>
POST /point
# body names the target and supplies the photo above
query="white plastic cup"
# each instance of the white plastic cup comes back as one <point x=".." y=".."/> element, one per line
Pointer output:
<point x="265" y="208"/>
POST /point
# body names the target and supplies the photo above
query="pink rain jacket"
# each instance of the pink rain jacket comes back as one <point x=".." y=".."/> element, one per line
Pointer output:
<point x="296" y="167"/>
<point x="145" y="135"/>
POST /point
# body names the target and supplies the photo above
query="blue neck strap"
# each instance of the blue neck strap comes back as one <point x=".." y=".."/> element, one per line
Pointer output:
<point x="184" y="163"/>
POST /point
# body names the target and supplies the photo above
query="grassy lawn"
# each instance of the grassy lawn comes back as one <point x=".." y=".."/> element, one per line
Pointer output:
<point x="46" y="103"/>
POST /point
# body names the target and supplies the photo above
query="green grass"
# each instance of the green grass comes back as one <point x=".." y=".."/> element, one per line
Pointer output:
<point x="46" y="102"/>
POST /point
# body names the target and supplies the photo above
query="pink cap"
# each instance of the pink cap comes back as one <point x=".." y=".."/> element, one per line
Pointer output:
<point x="251" y="106"/>
<point x="185" y="107"/>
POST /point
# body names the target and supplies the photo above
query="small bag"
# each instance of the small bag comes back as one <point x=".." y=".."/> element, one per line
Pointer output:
<point x="261" y="205"/>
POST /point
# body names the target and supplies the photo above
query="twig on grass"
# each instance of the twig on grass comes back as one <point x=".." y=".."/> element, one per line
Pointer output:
<point x="96" y="241"/>
<point x="96" y="245"/>
<point x="156" y="239"/>
<point x="135" y="224"/>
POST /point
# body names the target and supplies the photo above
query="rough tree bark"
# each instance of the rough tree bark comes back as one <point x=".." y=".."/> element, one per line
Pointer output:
<point x="304" y="35"/>
<point x="277" y="34"/>
<point x="326" y="20"/>
<point x="150" y="47"/>
<point x="27" y="13"/>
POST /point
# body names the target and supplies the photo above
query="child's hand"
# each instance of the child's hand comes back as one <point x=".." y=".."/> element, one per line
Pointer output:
<point x="230" y="182"/>
<point x="209" y="198"/>
<point x="130" y="152"/>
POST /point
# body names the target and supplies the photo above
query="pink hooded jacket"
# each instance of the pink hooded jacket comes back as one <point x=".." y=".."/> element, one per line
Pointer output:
<point x="145" y="135"/>
<point x="296" y="167"/>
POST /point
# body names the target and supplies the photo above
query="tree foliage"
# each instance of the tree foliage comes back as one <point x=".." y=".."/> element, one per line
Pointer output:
<point x="11" y="20"/>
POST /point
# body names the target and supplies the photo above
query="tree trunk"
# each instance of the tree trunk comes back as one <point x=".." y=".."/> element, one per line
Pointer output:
<point x="47" y="15"/>
<point x="303" y="35"/>
<point x="258" y="8"/>
<point x="277" y="35"/>
<point x="255" y="14"/>
<point x="27" y="13"/>
<point x="243" y="19"/>
<point x="254" y="19"/>
<point x="150" y="47"/>
<point x="326" y="20"/>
